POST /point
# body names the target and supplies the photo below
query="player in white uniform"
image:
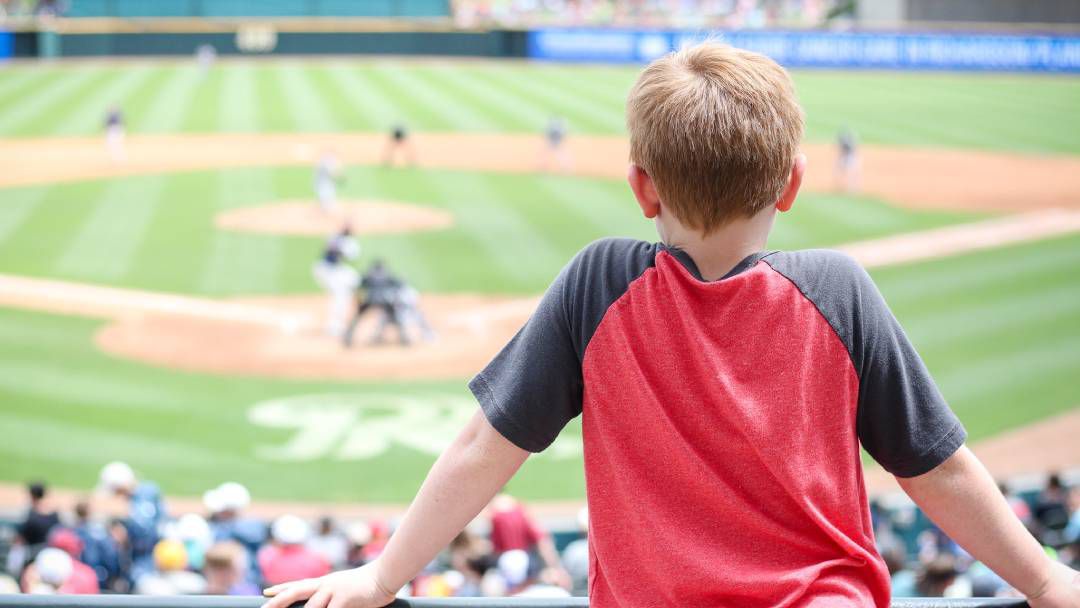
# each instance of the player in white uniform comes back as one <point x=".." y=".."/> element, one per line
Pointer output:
<point x="335" y="275"/>
<point x="327" y="175"/>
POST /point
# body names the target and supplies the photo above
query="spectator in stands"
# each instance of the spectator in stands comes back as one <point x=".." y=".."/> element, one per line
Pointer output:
<point x="226" y="504"/>
<point x="937" y="576"/>
<point x="40" y="518"/>
<point x="470" y="555"/>
<point x="512" y="529"/>
<point x="1052" y="509"/>
<point x="358" y="535"/>
<point x="33" y="531"/>
<point x="575" y="557"/>
<point x="195" y="534"/>
<point x="146" y="512"/>
<point x="330" y="543"/>
<point x="82" y="580"/>
<point x="171" y="576"/>
<point x="288" y="558"/>
<point x="99" y="549"/>
<point x="48" y="573"/>
<point x="902" y="579"/>
<point x="226" y="570"/>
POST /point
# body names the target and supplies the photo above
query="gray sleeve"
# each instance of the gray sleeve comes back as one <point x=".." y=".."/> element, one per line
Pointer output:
<point x="903" y="420"/>
<point x="533" y="387"/>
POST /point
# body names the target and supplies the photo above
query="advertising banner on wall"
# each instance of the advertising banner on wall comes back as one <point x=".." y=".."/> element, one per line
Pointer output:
<point x="919" y="51"/>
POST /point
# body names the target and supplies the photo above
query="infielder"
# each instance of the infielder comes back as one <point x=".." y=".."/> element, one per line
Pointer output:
<point x="114" y="133"/>
<point x="327" y="177"/>
<point x="399" y="140"/>
<point x="847" y="161"/>
<point x="555" y="155"/>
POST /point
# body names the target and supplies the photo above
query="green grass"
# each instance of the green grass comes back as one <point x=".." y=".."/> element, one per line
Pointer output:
<point x="1000" y="330"/>
<point x="512" y="235"/>
<point x="1006" y="112"/>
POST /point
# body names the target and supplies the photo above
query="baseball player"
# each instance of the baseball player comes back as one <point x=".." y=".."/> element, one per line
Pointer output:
<point x="114" y="133"/>
<point x="327" y="179"/>
<point x="338" y="278"/>
<point x="399" y="140"/>
<point x="847" y="161"/>
<point x="407" y="304"/>
<point x="380" y="291"/>
<point x="555" y="154"/>
<point x="205" y="56"/>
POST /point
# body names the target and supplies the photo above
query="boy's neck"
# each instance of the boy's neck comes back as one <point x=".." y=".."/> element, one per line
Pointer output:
<point x="718" y="252"/>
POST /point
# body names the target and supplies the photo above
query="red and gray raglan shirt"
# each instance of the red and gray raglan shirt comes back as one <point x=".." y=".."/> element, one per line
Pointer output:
<point x="722" y="421"/>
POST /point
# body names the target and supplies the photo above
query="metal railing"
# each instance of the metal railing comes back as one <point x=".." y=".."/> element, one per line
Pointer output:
<point x="192" y="601"/>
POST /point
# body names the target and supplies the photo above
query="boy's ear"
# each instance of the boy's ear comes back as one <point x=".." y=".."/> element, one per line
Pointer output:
<point x="787" y="199"/>
<point x="644" y="191"/>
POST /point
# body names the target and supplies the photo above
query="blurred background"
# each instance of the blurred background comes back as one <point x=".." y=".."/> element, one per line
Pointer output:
<point x="194" y="397"/>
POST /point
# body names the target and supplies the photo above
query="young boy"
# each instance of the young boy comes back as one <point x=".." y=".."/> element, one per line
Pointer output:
<point x="724" y="390"/>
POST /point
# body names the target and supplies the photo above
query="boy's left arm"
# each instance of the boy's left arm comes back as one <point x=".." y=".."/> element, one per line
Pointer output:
<point x="460" y="484"/>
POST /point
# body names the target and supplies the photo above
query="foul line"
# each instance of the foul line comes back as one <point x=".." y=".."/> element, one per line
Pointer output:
<point x="111" y="302"/>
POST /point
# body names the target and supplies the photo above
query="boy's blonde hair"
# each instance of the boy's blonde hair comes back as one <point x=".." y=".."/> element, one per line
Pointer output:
<point x="717" y="129"/>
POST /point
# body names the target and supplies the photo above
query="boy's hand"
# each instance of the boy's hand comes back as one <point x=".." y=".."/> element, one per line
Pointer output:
<point x="346" y="589"/>
<point x="1061" y="591"/>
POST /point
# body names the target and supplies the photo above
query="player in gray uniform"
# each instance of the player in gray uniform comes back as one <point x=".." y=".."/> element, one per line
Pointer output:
<point x="847" y="161"/>
<point x="556" y="157"/>
<point x="327" y="177"/>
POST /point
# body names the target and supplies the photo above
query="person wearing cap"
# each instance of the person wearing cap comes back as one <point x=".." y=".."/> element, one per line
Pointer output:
<point x="47" y="573"/>
<point x="83" y="580"/>
<point x="146" y="512"/>
<point x="171" y="576"/>
<point x="288" y="558"/>
<point x="330" y="543"/>
<point x="225" y="505"/>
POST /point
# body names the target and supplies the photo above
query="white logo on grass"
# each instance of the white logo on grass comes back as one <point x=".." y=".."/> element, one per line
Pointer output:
<point x="362" y="427"/>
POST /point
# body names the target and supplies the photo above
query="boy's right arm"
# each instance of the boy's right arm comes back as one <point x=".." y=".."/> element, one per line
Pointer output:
<point x="960" y="496"/>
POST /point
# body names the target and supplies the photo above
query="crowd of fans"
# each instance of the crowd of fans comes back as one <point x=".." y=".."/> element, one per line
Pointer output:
<point x="225" y="551"/>
<point x="229" y="552"/>
<point x="725" y="14"/>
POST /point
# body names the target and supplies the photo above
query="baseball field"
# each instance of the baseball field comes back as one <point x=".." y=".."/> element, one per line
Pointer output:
<point x="159" y="308"/>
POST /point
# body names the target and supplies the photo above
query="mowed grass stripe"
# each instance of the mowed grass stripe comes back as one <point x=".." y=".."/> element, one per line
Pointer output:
<point x="510" y="112"/>
<point x="48" y="229"/>
<point x="439" y="111"/>
<point x="103" y="249"/>
<point x="87" y="115"/>
<point x="241" y="263"/>
<point x="165" y="106"/>
<point x="365" y="105"/>
<point x="583" y="115"/>
<point x="176" y="241"/>
<point x="239" y="108"/>
<point x="204" y="103"/>
<point x="516" y="250"/>
<point x="19" y="85"/>
<point x="17" y="205"/>
<point x="303" y="100"/>
<point x="49" y="104"/>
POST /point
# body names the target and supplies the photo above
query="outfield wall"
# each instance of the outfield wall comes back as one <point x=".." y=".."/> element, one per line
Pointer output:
<point x="811" y="49"/>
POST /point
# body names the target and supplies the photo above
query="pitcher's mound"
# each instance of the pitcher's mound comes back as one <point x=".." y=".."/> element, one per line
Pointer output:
<point x="306" y="218"/>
